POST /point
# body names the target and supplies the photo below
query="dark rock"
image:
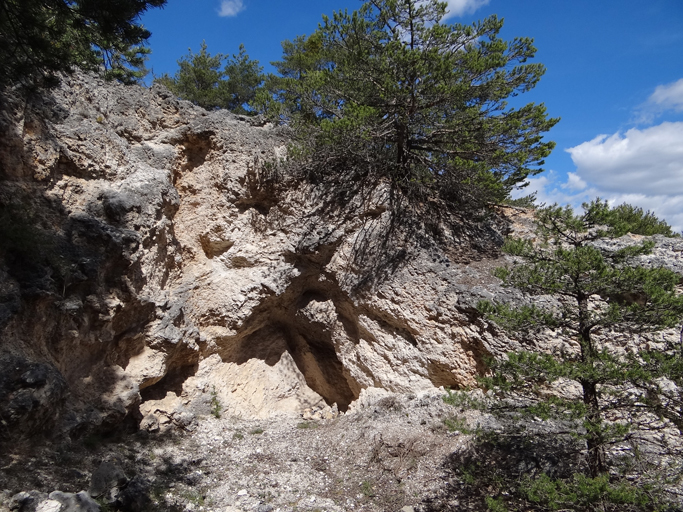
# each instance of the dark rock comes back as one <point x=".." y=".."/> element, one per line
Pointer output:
<point x="31" y="395"/>
<point x="134" y="497"/>
<point x="106" y="477"/>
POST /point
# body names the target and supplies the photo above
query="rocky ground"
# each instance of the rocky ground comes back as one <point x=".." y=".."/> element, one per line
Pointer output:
<point x="386" y="454"/>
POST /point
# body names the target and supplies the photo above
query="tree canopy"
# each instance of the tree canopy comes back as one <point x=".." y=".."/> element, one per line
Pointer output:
<point x="216" y="81"/>
<point x="40" y="38"/>
<point x="392" y="92"/>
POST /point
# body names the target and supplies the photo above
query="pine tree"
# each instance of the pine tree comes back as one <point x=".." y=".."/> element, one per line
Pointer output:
<point x="41" y="38"/>
<point x="390" y="92"/>
<point x="603" y="297"/>
<point x="243" y="78"/>
<point x="198" y="78"/>
<point x="216" y="81"/>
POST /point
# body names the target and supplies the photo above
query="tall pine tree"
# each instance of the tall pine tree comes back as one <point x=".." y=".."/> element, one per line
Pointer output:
<point x="391" y="92"/>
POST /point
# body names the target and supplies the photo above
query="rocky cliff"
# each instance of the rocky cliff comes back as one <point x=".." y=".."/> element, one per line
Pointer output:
<point x="151" y="272"/>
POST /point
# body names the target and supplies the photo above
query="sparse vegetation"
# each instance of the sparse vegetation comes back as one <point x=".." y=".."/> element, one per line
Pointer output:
<point x="104" y="506"/>
<point x="195" y="497"/>
<point x="307" y="424"/>
<point x="367" y="489"/>
<point x="216" y="406"/>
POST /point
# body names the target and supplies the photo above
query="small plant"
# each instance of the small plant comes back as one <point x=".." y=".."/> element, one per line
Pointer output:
<point x="256" y="431"/>
<point x="467" y="475"/>
<point x="158" y="492"/>
<point x="586" y="493"/>
<point x="462" y="399"/>
<point x="238" y="435"/>
<point x="495" y="505"/>
<point x="100" y="119"/>
<point x="195" y="497"/>
<point x="454" y="424"/>
<point x="266" y="496"/>
<point x="367" y="489"/>
<point x="216" y="406"/>
<point x="104" y="506"/>
<point x="307" y="424"/>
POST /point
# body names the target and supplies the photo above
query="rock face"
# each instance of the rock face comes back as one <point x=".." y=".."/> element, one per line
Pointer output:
<point x="150" y="272"/>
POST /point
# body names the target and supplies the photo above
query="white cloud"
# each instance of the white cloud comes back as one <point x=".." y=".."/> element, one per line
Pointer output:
<point x="665" y="98"/>
<point x="648" y="161"/>
<point x="574" y="182"/>
<point x="668" y="97"/>
<point x="231" y="8"/>
<point x="548" y="190"/>
<point x="641" y="167"/>
<point x="462" y="7"/>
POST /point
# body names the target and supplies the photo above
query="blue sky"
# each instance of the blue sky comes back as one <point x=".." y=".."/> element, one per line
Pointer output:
<point x="614" y="76"/>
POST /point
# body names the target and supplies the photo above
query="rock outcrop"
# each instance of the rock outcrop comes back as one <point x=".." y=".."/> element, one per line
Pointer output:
<point x="150" y="273"/>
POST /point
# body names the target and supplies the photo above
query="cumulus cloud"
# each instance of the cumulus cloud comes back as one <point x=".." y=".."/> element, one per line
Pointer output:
<point x="648" y="161"/>
<point x="462" y="7"/>
<point x="548" y="191"/>
<point x="230" y="8"/>
<point x="640" y="167"/>
<point x="574" y="182"/>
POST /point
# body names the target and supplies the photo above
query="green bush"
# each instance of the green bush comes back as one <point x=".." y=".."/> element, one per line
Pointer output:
<point x="632" y="219"/>
<point x="582" y="492"/>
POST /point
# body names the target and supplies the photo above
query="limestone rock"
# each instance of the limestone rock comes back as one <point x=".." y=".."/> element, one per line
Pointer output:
<point x="79" y="502"/>
<point x="56" y="501"/>
<point x="31" y="394"/>
<point x="166" y="278"/>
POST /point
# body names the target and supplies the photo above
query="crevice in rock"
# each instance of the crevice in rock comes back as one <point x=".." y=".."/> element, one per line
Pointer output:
<point x="440" y="374"/>
<point x="397" y="327"/>
<point x="279" y="325"/>
<point x="172" y="381"/>
<point x="214" y="248"/>
<point x="195" y="149"/>
<point x="259" y="188"/>
<point x="67" y="167"/>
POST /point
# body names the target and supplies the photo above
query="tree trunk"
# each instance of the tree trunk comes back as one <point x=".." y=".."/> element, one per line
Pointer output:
<point x="595" y="457"/>
<point x="402" y="143"/>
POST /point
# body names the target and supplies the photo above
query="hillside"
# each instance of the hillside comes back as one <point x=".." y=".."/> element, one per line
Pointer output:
<point x="154" y="272"/>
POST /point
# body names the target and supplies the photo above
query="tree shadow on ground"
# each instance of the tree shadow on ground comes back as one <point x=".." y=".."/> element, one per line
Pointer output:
<point x="494" y="465"/>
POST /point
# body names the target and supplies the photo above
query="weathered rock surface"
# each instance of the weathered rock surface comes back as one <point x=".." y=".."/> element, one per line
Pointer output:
<point x="56" y="501"/>
<point x="150" y="273"/>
